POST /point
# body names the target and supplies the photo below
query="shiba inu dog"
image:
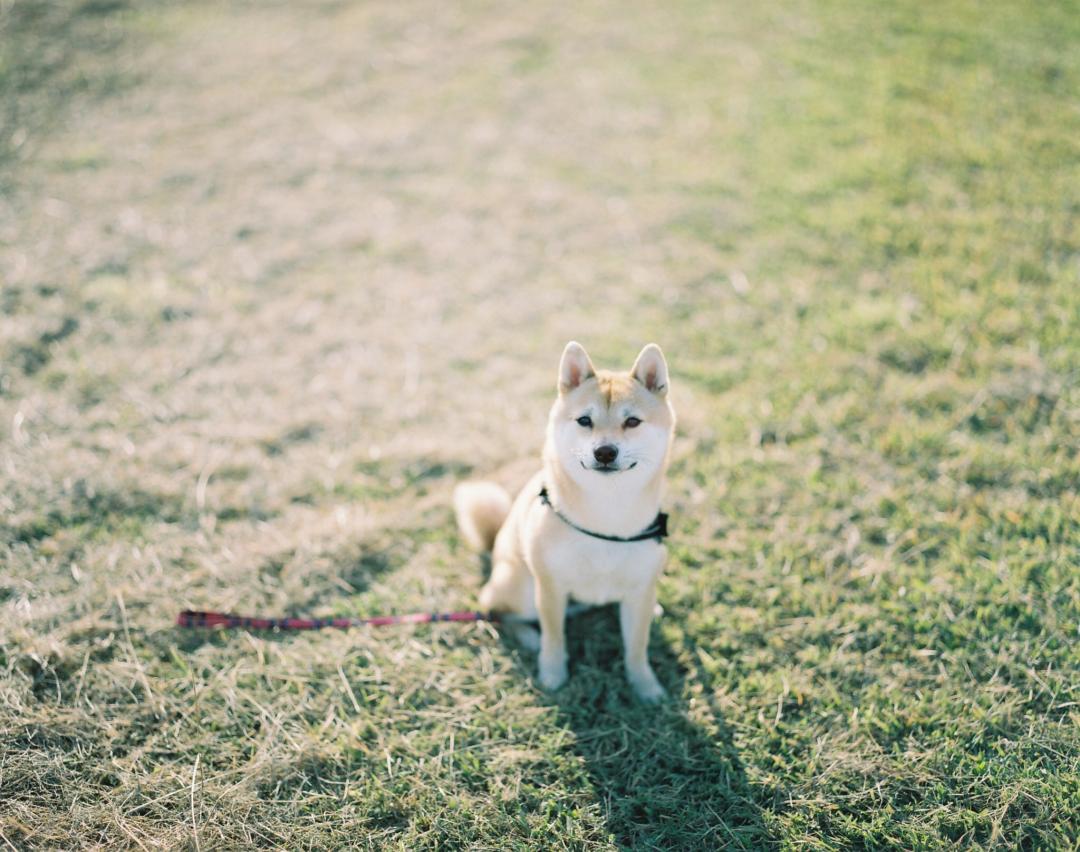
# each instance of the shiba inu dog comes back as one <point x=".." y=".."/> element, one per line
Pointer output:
<point x="587" y="527"/>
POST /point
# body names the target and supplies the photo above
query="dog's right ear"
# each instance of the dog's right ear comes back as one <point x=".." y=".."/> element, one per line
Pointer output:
<point x="650" y="369"/>
<point x="575" y="367"/>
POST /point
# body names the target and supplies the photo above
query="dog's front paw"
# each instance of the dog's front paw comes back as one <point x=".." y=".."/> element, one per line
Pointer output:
<point x="646" y="687"/>
<point x="552" y="672"/>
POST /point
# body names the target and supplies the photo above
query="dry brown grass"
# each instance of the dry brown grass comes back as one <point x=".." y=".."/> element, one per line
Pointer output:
<point x="276" y="276"/>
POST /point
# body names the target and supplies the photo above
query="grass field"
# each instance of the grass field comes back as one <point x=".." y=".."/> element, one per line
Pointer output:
<point x="277" y="275"/>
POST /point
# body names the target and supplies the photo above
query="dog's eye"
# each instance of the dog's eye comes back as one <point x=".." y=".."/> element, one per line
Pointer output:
<point x="585" y="420"/>
<point x="631" y="422"/>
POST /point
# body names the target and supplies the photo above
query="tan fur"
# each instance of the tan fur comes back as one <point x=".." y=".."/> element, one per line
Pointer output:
<point x="480" y="508"/>
<point x="614" y="387"/>
<point x="539" y="562"/>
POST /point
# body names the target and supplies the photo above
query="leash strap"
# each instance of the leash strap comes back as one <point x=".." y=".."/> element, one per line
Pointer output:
<point x="656" y="530"/>
<point x="226" y="620"/>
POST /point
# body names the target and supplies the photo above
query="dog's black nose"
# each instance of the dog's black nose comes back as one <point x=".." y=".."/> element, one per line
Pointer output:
<point x="606" y="453"/>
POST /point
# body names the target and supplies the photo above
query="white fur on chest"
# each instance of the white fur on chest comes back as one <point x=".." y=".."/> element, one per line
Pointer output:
<point x="594" y="571"/>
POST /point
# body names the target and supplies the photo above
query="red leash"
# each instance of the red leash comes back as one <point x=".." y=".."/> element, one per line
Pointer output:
<point x="196" y="618"/>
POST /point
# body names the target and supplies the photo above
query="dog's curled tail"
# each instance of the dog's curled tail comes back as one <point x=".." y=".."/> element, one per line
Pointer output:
<point x="481" y="508"/>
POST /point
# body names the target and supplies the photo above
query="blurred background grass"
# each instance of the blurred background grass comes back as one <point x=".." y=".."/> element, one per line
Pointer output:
<point x="276" y="276"/>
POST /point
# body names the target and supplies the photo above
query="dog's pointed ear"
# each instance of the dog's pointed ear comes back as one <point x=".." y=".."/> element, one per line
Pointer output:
<point x="650" y="369"/>
<point x="575" y="367"/>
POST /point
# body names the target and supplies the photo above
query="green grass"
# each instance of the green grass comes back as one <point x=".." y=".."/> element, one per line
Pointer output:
<point x="266" y="299"/>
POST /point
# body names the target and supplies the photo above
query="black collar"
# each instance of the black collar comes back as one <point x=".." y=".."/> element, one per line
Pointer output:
<point x="656" y="530"/>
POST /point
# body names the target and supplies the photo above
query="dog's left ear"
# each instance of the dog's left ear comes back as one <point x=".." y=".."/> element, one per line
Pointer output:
<point x="650" y="369"/>
<point x="575" y="367"/>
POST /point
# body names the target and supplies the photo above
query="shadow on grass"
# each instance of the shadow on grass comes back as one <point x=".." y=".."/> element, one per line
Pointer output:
<point x="666" y="781"/>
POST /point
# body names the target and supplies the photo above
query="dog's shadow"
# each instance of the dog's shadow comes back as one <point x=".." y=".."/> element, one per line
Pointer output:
<point x="667" y="775"/>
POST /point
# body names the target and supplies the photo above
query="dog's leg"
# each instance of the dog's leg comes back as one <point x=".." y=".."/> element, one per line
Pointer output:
<point x="635" y="616"/>
<point x="551" y="603"/>
<point x="527" y="635"/>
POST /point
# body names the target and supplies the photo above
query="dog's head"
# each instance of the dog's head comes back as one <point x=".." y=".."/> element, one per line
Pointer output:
<point x="608" y="424"/>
